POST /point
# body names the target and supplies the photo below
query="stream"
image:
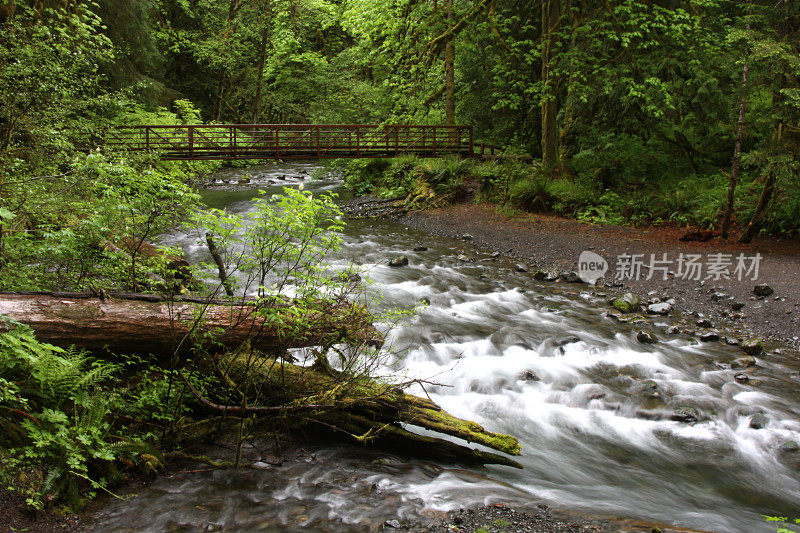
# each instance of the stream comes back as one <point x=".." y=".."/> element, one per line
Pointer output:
<point x="591" y="406"/>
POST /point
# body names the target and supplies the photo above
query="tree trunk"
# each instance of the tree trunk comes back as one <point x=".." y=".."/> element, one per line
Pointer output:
<point x="551" y="10"/>
<point x="262" y="57"/>
<point x="761" y="208"/>
<point x="737" y="156"/>
<point x="125" y="323"/>
<point x="449" y="68"/>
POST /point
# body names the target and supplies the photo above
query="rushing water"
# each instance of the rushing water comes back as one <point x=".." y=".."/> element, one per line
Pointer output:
<point x="595" y="427"/>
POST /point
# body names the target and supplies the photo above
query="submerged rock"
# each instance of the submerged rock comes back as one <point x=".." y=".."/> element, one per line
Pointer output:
<point x="627" y="303"/>
<point x="399" y="261"/>
<point x="759" y="421"/>
<point x="741" y="378"/>
<point x="790" y="446"/>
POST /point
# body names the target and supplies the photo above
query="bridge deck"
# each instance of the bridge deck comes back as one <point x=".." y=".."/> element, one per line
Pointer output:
<point x="287" y="141"/>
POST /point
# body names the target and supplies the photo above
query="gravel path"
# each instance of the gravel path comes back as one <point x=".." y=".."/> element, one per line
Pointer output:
<point x="545" y="242"/>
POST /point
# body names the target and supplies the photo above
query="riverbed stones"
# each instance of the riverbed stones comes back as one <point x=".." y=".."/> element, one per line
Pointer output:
<point x="709" y="336"/>
<point x="467" y="237"/>
<point x="494" y="255"/>
<point x="465" y="258"/>
<point x="421" y="249"/>
<point x="737" y="306"/>
<point x="645" y="337"/>
<point x="752" y="346"/>
<point x="521" y="267"/>
<point x="392" y="524"/>
<point x="741" y="377"/>
<point x="759" y="421"/>
<point x="399" y="261"/>
<point x="627" y="303"/>
<point x="763" y="290"/>
<point x="662" y="308"/>
<point x="704" y="323"/>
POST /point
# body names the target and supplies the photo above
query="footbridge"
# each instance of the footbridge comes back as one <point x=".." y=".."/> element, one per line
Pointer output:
<point x="298" y="141"/>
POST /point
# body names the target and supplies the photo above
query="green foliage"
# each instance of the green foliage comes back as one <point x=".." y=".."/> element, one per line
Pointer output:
<point x="55" y="418"/>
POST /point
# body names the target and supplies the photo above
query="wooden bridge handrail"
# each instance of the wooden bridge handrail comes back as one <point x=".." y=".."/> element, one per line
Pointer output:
<point x="267" y="141"/>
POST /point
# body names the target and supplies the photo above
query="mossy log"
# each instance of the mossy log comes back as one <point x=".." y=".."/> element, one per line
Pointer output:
<point x="150" y="324"/>
<point x="371" y="413"/>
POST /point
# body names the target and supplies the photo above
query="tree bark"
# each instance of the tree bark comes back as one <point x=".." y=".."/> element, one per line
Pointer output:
<point x="551" y="9"/>
<point x="737" y="156"/>
<point x="761" y="208"/>
<point x="126" y="323"/>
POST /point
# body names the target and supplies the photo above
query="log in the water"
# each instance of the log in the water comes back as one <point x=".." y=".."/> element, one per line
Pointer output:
<point x="148" y="324"/>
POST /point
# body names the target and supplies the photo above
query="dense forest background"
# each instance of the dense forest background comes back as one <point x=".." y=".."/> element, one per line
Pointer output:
<point x="641" y="112"/>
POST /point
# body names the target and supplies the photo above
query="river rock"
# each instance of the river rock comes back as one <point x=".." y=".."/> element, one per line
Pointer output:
<point x="465" y="258"/>
<point x="741" y="377"/>
<point x="743" y="362"/>
<point x="571" y="277"/>
<point x="659" y="308"/>
<point x="543" y="275"/>
<point x="528" y="375"/>
<point x="399" y="261"/>
<point x="704" y="323"/>
<point x="759" y="421"/>
<point x="790" y="446"/>
<point x="737" y="306"/>
<point x="392" y="524"/>
<point x="752" y="346"/>
<point x="762" y="289"/>
<point x="466" y="237"/>
<point x="494" y="255"/>
<point x="627" y="303"/>
<point x="569" y="339"/>
<point x="687" y="415"/>
<point x="709" y="336"/>
<point x="732" y="341"/>
<point x="242" y="181"/>
<point x="520" y="267"/>
<point x="645" y="338"/>
<point x="421" y="249"/>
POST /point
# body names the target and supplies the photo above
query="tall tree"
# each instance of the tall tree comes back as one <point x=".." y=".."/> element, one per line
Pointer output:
<point x="551" y="11"/>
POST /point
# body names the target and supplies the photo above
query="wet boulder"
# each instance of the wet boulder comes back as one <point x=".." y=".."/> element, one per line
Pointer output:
<point x="687" y="415"/>
<point x="521" y="267"/>
<point x="399" y="261"/>
<point x="544" y="275"/>
<point x="528" y="375"/>
<point x="466" y="237"/>
<point x="709" y="336"/>
<point x="421" y="249"/>
<point x="465" y="258"/>
<point x="759" y="421"/>
<point x="743" y="362"/>
<point x="790" y="446"/>
<point x="571" y="277"/>
<point x="627" y="303"/>
<point x="752" y="346"/>
<point x="645" y="337"/>
<point x="741" y="377"/>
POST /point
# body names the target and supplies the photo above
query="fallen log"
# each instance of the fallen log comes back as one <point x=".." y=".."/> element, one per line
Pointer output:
<point x="162" y="326"/>
<point x="363" y="410"/>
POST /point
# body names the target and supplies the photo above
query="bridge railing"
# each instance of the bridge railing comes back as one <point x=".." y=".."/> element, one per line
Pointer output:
<point x="256" y="141"/>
